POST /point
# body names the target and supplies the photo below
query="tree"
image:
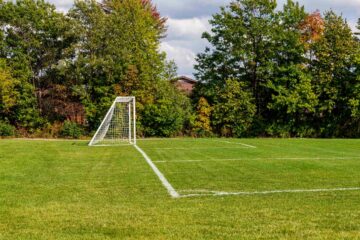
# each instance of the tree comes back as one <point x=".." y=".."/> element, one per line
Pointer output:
<point x="118" y="53"/>
<point x="354" y="98"/>
<point x="293" y="99"/>
<point x="234" y="110"/>
<point x="312" y="28"/>
<point x="35" y="39"/>
<point x="202" y="123"/>
<point x="241" y="39"/>
<point x="357" y="33"/>
<point x="300" y="69"/>
<point x="8" y="93"/>
<point x="168" y="115"/>
<point x="334" y="78"/>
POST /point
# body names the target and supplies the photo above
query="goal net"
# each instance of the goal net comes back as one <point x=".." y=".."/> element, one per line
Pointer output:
<point x="119" y="125"/>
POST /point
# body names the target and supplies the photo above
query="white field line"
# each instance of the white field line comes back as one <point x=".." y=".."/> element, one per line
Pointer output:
<point x="238" y="143"/>
<point x="246" y="159"/>
<point x="47" y="139"/>
<point x="167" y="139"/>
<point x="193" y="148"/>
<point x="173" y="193"/>
<point x="204" y="193"/>
<point x="180" y="161"/>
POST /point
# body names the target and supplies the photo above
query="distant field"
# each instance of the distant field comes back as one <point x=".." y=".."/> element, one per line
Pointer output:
<point x="228" y="189"/>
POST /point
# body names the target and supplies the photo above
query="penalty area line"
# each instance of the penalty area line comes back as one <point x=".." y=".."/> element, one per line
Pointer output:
<point x="208" y="193"/>
<point x="171" y="190"/>
<point x="237" y="143"/>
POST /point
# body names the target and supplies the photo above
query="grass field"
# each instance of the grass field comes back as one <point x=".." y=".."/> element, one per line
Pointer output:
<point x="228" y="189"/>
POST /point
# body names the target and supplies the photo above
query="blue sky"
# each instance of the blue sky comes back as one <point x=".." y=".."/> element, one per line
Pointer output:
<point x="188" y="19"/>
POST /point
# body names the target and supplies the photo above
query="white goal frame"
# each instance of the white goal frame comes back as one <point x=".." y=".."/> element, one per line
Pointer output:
<point x="102" y="130"/>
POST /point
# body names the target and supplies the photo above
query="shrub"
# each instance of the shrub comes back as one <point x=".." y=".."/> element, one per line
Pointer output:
<point x="162" y="119"/>
<point x="50" y="130"/>
<point x="71" y="130"/>
<point x="6" y="130"/>
<point x="278" y="130"/>
<point x="234" y="110"/>
<point x="168" y="115"/>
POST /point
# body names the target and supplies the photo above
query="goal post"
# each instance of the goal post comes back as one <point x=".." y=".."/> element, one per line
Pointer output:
<point x="119" y="124"/>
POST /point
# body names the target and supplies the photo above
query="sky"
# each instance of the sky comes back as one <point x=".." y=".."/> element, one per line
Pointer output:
<point x="188" y="19"/>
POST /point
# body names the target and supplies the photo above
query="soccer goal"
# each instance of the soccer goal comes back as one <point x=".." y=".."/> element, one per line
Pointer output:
<point x="119" y="125"/>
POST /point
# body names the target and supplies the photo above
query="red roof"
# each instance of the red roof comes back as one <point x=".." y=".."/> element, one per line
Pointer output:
<point x="185" y="84"/>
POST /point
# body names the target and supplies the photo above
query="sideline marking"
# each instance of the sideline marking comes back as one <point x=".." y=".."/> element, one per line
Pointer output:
<point x="204" y="193"/>
<point x="247" y="159"/>
<point x="173" y="193"/>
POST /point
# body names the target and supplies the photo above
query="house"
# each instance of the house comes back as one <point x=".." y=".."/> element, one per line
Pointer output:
<point x="185" y="84"/>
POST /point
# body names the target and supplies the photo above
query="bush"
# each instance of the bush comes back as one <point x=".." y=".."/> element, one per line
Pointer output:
<point x="234" y="110"/>
<point x="278" y="130"/>
<point x="168" y="115"/>
<point x="162" y="119"/>
<point x="71" y="130"/>
<point x="50" y="130"/>
<point x="6" y="130"/>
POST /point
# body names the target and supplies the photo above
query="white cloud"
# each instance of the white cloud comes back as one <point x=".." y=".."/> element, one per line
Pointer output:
<point x="184" y="57"/>
<point x="187" y="28"/>
<point x="184" y="41"/>
<point x="189" y="8"/>
<point x="62" y="5"/>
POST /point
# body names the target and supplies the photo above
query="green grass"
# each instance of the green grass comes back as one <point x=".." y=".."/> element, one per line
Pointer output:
<point x="67" y="190"/>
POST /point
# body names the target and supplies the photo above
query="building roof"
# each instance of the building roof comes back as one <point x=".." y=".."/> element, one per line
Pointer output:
<point x="186" y="79"/>
<point x="185" y="84"/>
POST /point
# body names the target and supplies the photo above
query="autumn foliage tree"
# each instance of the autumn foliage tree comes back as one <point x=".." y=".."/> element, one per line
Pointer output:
<point x="202" y="123"/>
<point x="312" y="28"/>
<point x="9" y="94"/>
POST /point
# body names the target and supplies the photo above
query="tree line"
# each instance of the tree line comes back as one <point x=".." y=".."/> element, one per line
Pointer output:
<point x="285" y="73"/>
<point x="60" y="72"/>
<point x="266" y="72"/>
